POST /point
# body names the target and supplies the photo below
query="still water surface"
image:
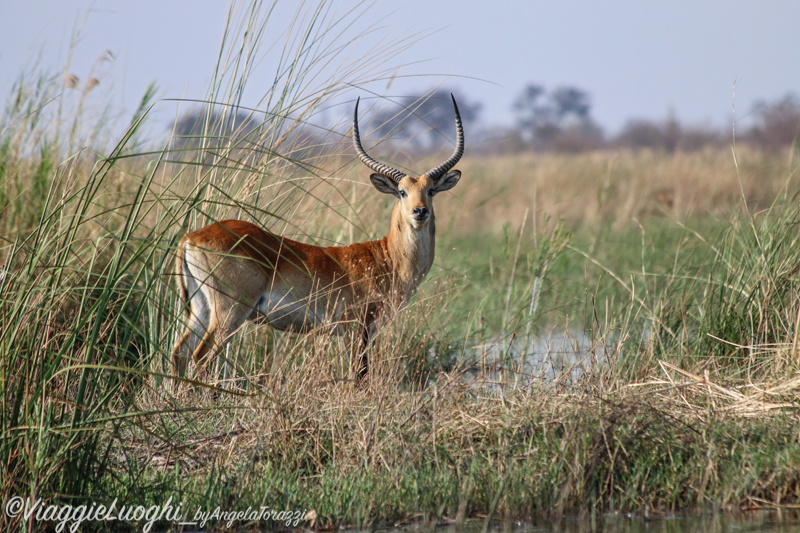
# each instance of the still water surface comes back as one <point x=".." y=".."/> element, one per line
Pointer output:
<point x="757" y="521"/>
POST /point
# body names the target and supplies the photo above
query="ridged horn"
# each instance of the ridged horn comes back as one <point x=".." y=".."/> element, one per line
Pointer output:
<point x="380" y="168"/>
<point x="437" y="172"/>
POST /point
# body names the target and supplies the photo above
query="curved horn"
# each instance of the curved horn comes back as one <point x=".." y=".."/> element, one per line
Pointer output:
<point x="373" y="165"/>
<point x="437" y="172"/>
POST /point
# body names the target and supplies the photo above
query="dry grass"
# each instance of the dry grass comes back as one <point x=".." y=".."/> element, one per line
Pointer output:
<point x="617" y="187"/>
<point x="465" y="445"/>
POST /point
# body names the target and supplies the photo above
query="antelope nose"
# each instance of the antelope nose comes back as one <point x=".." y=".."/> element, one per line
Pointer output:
<point x="420" y="212"/>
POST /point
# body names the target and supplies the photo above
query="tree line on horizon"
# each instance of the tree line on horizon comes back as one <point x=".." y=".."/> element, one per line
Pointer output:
<point x="560" y="120"/>
<point x="557" y="120"/>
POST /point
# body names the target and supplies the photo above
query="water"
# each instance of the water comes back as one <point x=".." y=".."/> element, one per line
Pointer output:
<point x="778" y="521"/>
<point x="544" y="356"/>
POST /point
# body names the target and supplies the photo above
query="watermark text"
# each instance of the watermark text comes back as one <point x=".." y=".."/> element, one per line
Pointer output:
<point x="67" y="517"/>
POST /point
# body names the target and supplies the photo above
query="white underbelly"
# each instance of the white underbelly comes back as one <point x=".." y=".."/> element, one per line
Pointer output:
<point x="285" y="311"/>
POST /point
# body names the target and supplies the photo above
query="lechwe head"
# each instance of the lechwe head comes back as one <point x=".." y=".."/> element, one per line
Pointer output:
<point x="414" y="194"/>
<point x="233" y="270"/>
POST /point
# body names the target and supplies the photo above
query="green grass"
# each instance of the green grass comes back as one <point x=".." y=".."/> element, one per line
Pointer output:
<point x="684" y="397"/>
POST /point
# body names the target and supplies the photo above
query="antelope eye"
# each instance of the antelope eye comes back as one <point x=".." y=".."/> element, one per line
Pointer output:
<point x="430" y="192"/>
<point x="403" y="193"/>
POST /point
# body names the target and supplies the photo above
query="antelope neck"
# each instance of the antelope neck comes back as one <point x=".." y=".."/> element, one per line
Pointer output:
<point x="411" y="250"/>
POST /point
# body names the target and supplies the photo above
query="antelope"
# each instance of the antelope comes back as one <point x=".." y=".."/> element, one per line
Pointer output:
<point x="232" y="271"/>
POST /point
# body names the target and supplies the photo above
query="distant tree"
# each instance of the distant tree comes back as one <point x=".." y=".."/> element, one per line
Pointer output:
<point x="437" y="112"/>
<point x="645" y="133"/>
<point x="667" y="135"/>
<point x="536" y="118"/>
<point x="580" y="136"/>
<point x="641" y="133"/>
<point x="559" y="119"/>
<point x="426" y="122"/>
<point x="777" y="123"/>
<point x="569" y="101"/>
<point x="498" y="140"/>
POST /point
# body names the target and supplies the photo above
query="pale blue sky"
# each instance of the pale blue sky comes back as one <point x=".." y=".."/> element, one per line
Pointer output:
<point x="635" y="58"/>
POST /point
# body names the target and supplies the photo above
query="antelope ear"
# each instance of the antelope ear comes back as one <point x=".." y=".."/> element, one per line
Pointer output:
<point x="447" y="182"/>
<point x="384" y="184"/>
